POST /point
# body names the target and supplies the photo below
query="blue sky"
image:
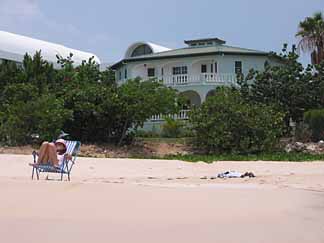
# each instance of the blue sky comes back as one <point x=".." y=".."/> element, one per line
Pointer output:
<point x="107" y="27"/>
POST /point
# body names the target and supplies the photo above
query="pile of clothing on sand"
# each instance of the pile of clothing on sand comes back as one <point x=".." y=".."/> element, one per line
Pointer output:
<point x="234" y="174"/>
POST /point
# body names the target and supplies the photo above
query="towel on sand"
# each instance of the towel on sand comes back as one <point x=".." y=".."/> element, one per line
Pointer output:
<point x="233" y="174"/>
<point x="230" y="174"/>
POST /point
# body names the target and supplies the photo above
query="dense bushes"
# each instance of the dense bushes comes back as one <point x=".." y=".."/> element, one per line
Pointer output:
<point x="315" y="121"/>
<point x="302" y="133"/>
<point x="82" y="101"/>
<point x="227" y="123"/>
<point x="44" y="116"/>
<point x="25" y="113"/>
<point x="290" y="86"/>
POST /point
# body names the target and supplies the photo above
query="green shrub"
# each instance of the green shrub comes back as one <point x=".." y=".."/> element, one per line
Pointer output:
<point x="50" y="114"/>
<point x="44" y="116"/>
<point x="303" y="133"/>
<point x="13" y="129"/>
<point x="226" y="123"/>
<point x="315" y="120"/>
<point x="18" y="92"/>
<point x="95" y="108"/>
<point x="172" y="128"/>
<point x="83" y="101"/>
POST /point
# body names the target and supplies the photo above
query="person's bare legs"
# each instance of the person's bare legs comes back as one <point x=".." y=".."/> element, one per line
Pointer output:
<point x="52" y="154"/>
<point x="42" y="154"/>
<point x="47" y="152"/>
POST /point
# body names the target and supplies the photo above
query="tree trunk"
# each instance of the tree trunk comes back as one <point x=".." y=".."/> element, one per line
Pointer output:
<point x="123" y="133"/>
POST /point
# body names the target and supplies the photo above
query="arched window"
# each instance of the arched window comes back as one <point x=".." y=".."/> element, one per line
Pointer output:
<point x="142" y="50"/>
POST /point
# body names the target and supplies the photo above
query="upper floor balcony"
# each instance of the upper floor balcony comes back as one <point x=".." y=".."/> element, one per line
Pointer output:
<point x="200" y="79"/>
<point x="197" y="71"/>
<point x="229" y="79"/>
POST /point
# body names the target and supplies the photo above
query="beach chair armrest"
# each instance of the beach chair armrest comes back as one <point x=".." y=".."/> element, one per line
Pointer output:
<point x="68" y="156"/>
<point x="35" y="155"/>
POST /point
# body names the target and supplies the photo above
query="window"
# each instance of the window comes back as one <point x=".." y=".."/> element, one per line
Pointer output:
<point x="125" y="74"/>
<point x="120" y="75"/>
<point x="162" y="71"/>
<point x="203" y="68"/>
<point x="180" y="70"/>
<point x="151" y="72"/>
<point x="238" y="67"/>
<point x="211" y="68"/>
<point x="216" y="67"/>
<point x="142" y="50"/>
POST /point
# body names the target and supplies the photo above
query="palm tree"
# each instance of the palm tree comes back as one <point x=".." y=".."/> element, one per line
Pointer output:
<point x="311" y="32"/>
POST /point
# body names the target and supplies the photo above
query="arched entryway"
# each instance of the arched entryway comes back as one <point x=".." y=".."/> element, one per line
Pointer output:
<point x="211" y="93"/>
<point x="191" y="98"/>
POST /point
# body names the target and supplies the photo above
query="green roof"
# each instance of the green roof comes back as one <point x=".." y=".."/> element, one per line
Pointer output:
<point x="195" y="51"/>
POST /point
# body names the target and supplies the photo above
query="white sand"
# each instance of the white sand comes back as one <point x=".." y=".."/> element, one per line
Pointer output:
<point x="110" y="200"/>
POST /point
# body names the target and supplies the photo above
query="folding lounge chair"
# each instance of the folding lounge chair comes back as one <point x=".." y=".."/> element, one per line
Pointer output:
<point x="73" y="148"/>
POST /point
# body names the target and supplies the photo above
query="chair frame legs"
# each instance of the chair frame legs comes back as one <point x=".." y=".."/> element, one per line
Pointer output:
<point x="35" y="170"/>
<point x="37" y="173"/>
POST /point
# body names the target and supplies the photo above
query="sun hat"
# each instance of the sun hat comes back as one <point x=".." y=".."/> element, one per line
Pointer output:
<point x="61" y="141"/>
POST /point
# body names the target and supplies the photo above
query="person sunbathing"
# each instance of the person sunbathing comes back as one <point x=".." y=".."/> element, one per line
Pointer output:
<point x="52" y="153"/>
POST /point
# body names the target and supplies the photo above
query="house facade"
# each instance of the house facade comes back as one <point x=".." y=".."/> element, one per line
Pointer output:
<point x="195" y="70"/>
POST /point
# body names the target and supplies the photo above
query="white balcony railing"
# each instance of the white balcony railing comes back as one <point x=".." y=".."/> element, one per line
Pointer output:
<point x="205" y="78"/>
<point x="201" y="79"/>
<point x="182" y="115"/>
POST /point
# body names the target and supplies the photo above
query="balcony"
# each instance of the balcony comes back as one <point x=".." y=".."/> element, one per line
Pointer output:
<point x="202" y="79"/>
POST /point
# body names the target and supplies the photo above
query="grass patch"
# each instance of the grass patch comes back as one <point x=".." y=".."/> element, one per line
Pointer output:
<point x="279" y="156"/>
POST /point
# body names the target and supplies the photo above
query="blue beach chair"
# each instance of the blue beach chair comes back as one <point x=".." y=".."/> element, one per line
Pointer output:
<point x="73" y="148"/>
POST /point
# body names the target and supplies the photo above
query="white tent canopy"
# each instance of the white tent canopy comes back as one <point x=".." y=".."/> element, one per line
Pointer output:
<point x="13" y="47"/>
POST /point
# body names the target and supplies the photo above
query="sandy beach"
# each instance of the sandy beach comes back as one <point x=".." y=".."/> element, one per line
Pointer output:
<point x="125" y="200"/>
